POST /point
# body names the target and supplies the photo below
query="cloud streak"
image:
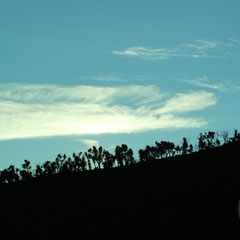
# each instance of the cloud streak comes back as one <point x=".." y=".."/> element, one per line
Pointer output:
<point x="193" y="101"/>
<point x="106" y="78"/>
<point x="29" y="111"/>
<point x="204" y="82"/>
<point x="89" y="142"/>
<point x="80" y="93"/>
<point x="196" y="49"/>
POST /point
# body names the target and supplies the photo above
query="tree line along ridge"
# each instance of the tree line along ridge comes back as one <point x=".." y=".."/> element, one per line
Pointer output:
<point x="98" y="158"/>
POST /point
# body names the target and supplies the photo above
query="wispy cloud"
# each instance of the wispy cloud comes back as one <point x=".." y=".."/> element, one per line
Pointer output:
<point x="85" y="94"/>
<point x="204" y="82"/>
<point x="106" y="78"/>
<point x="148" y="53"/>
<point x="28" y="111"/>
<point x="181" y="103"/>
<point x="196" y="49"/>
<point x="89" y="142"/>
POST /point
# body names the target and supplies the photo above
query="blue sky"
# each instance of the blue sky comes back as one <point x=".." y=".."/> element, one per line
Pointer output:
<point x="80" y="73"/>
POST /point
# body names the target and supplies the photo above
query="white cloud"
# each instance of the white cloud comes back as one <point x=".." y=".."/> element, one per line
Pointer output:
<point x="188" y="102"/>
<point x="204" y="82"/>
<point x="28" y="111"/>
<point x="196" y="49"/>
<point x="89" y="142"/>
<point x="106" y="78"/>
<point x="234" y="40"/>
<point x="80" y="93"/>
<point x="148" y="53"/>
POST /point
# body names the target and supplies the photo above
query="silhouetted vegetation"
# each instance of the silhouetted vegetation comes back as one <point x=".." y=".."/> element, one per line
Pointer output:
<point x="169" y="191"/>
<point x="99" y="158"/>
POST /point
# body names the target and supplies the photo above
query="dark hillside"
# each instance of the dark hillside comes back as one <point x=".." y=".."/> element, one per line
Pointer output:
<point x="191" y="196"/>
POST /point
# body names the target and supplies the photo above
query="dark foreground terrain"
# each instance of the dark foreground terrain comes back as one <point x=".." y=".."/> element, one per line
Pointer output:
<point x="190" y="197"/>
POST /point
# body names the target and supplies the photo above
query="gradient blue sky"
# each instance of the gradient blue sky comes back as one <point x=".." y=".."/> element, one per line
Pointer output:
<point x="80" y="73"/>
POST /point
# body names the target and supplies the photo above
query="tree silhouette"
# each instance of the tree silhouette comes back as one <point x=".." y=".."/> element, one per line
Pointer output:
<point x="99" y="156"/>
<point x="171" y="148"/>
<point x="164" y="148"/>
<point x="96" y="155"/>
<point x="124" y="155"/>
<point x="26" y="173"/>
<point x="142" y="155"/>
<point x="161" y="148"/>
<point x="90" y="157"/>
<point x="68" y="166"/>
<point x="152" y="152"/>
<point x="38" y="171"/>
<point x="109" y="160"/>
<point x="59" y="161"/>
<point x="89" y="164"/>
<point x="47" y="169"/>
<point x="210" y="140"/>
<point x="9" y="175"/>
<point x="119" y="154"/>
<point x="225" y="137"/>
<point x="79" y="163"/>
<point x="190" y="149"/>
<point x="201" y="142"/>
<point x="177" y="149"/>
<point x="149" y="153"/>
<point x="3" y="176"/>
<point x="13" y="174"/>
<point x="184" y="146"/>
<point x="236" y="136"/>
<point x="129" y="159"/>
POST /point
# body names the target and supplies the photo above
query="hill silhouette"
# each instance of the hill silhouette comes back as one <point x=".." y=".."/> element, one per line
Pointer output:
<point x="163" y="195"/>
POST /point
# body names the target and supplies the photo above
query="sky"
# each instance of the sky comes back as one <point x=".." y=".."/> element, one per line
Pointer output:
<point x="74" y="74"/>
